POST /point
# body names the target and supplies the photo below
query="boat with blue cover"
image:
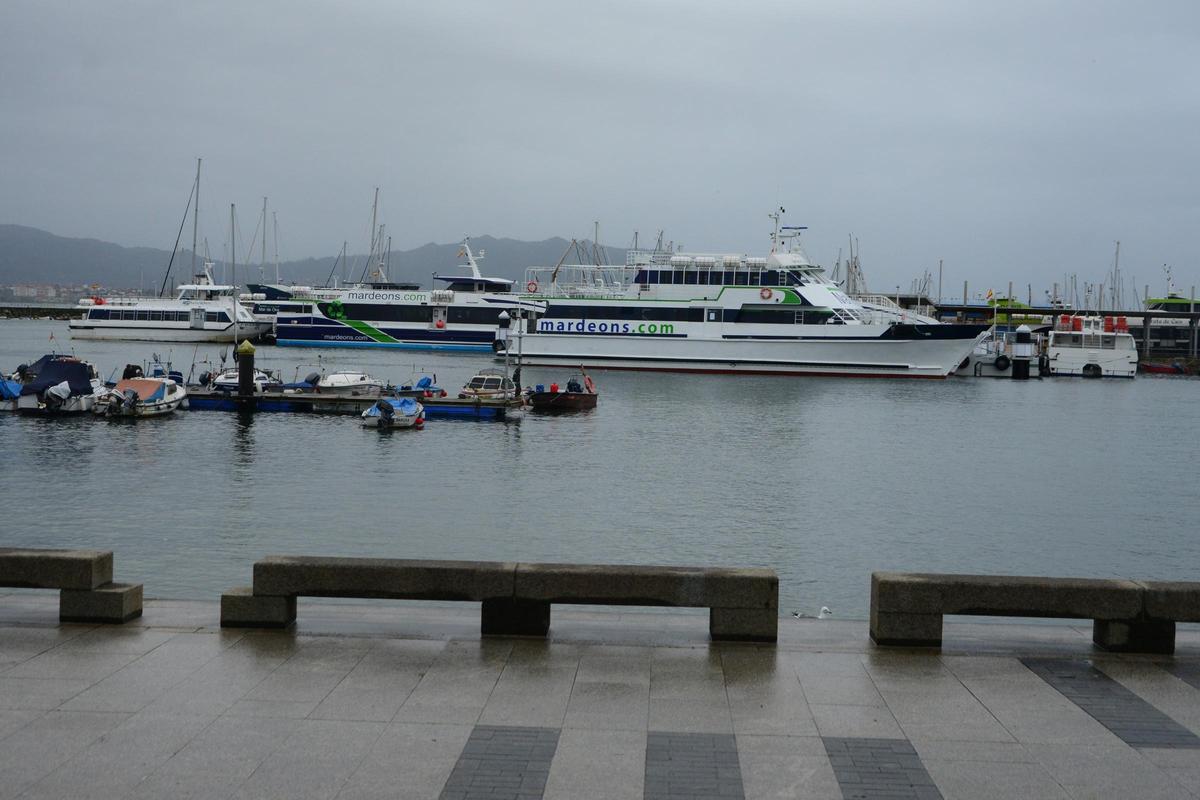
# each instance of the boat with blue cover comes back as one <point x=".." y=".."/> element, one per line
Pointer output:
<point x="56" y="384"/>
<point x="394" y="412"/>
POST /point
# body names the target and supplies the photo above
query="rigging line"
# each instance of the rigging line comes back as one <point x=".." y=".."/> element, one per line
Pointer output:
<point x="177" y="237"/>
<point x="333" y="268"/>
<point x="253" y="239"/>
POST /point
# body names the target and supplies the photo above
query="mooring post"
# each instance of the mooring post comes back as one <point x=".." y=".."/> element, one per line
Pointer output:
<point x="245" y="362"/>
<point x="1146" y="323"/>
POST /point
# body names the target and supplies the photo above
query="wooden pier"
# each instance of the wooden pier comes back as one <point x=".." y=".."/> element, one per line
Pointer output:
<point x="202" y="399"/>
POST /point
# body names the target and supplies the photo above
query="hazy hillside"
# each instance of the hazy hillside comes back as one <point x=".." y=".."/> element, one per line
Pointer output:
<point x="29" y="255"/>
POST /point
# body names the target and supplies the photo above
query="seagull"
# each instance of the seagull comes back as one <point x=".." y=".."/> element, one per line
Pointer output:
<point x="824" y="613"/>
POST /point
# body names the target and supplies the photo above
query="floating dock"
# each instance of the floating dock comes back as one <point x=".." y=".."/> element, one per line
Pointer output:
<point x="313" y="403"/>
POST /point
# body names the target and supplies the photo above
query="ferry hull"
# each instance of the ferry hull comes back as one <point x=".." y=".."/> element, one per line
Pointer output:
<point x="855" y="356"/>
<point x="317" y="332"/>
<point x="244" y="331"/>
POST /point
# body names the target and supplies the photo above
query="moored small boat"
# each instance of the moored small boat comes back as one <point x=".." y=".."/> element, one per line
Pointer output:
<point x="489" y="384"/>
<point x="55" y="385"/>
<point x="394" y="412"/>
<point x="140" y="397"/>
<point x="579" y="394"/>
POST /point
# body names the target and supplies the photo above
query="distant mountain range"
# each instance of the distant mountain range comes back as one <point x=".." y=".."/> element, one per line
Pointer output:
<point x="30" y="255"/>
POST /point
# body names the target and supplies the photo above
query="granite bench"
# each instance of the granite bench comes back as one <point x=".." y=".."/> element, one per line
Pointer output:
<point x="1127" y="616"/>
<point x="743" y="603"/>
<point x="84" y="580"/>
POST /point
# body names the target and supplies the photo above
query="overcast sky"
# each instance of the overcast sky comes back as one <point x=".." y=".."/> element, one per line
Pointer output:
<point x="1015" y="140"/>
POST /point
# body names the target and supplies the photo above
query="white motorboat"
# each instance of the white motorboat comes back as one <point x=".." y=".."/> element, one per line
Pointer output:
<point x="489" y="384"/>
<point x="993" y="356"/>
<point x="349" y="382"/>
<point x="140" y="397"/>
<point x="394" y="412"/>
<point x="726" y="313"/>
<point x="1092" y="347"/>
<point x="227" y="380"/>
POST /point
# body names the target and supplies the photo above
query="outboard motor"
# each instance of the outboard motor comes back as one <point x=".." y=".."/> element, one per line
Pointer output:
<point x="131" y="371"/>
<point x="112" y="402"/>
<point x="387" y="413"/>
<point x="312" y="378"/>
<point x="56" y="395"/>
<point x="129" y="399"/>
<point x="205" y="378"/>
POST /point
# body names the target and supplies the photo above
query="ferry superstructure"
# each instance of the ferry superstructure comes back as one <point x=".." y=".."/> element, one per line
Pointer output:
<point x="201" y="312"/>
<point x="462" y="315"/>
<point x="727" y="313"/>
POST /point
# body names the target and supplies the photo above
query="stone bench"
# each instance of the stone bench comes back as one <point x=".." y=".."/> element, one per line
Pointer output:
<point x="84" y="578"/>
<point x="1127" y="616"/>
<point x="743" y="603"/>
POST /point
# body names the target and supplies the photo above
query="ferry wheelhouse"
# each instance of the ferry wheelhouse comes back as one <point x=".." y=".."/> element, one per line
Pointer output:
<point x="728" y="313"/>
<point x="461" y="315"/>
<point x="201" y="312"/>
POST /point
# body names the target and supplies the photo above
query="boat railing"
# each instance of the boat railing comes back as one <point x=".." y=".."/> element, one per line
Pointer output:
<point x="579" y="281"/>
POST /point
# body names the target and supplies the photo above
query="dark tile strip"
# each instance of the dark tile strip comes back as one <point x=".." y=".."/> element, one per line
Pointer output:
<point x="867" y="769"/>
<point x="1135" y="721"/>
<point x="502" y="763"/>
<point x="1188" y="673"/>
<point x="699" y="766"/>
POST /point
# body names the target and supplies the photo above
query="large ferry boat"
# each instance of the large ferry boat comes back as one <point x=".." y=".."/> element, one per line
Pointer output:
<point x="727" y="313"/>
<point x="462" y="315"/>
<point x="201" y="312"/>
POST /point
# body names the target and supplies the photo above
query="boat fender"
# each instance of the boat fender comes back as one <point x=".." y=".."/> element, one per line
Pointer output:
<point x="588" y="384"/>
<point x="441" y="323"/>
<point x="1001" y="363"/>
<point x="1043" y="365"/>
<point x="765" y="293"/>
<point x="531" y="287"/>
<point x="428" y="393"/>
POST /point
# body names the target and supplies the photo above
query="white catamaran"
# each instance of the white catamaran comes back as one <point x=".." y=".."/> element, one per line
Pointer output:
<point x="727" y="313"/>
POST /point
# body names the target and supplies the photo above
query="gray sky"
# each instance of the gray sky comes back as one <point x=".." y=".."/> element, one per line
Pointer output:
<point x="1015" y="140"/>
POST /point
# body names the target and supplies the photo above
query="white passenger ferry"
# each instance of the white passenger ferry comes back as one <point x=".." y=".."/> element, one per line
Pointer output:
<point x="726" y="313"/>
<point x="462" y="315"/>
<point x="201" y="312"/>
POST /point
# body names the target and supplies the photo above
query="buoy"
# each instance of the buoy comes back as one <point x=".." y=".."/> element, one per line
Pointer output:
<point x="441" y="323"/>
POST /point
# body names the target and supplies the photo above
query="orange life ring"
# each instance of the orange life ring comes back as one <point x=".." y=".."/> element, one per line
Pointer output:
<point x="531" y="287"/>
<point x="765" y="293"/>
<point x="588" y="384"/>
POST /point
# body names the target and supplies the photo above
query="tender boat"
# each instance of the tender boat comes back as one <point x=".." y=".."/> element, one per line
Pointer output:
<point x="489" y="384"/>
<point x="57" y="385"/>
<point x="1174" y="368"/>
<point x="350" y="383"/>
<point x="394" y="412"/>
<point x="1092" y="348"/>
<point x="579" y="394"/>
<point x="140" y="397"/>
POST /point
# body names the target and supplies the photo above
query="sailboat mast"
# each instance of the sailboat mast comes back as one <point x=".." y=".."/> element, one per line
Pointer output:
<point x="275" y="228"/>
<point x="196" y="217"/>
<point x="262" y="264"/>
<point x="233" y="270"/>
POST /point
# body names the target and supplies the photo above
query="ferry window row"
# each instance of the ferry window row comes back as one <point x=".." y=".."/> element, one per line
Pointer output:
<point x="131" y="315"/>
<point x="716" y="277"/>
<point x="676" y="314"/>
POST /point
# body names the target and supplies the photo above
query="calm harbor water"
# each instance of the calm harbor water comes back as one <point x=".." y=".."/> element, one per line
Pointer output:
<point x="822" y="479"/>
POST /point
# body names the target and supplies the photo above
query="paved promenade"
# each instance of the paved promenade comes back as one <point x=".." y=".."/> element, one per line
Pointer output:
<point x="384" y="700"/>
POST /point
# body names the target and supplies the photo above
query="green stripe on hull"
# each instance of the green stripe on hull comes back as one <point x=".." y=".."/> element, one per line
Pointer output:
<point x="371" y="333"/>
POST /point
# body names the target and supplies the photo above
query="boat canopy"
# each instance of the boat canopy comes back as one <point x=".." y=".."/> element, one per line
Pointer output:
<point x="9" y="390"/>
<point x="75" y="373"/>
<point x="148" y="389"/>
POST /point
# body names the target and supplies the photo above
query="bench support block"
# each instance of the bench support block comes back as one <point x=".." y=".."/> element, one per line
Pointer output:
<point x="112" y="603"/>
<point x="508" y="616"/>
<point x="906" y="630"/>
<point x="241" y="608"/>
<point x="743" y="624"/>
<point x="1134" y="636"/>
